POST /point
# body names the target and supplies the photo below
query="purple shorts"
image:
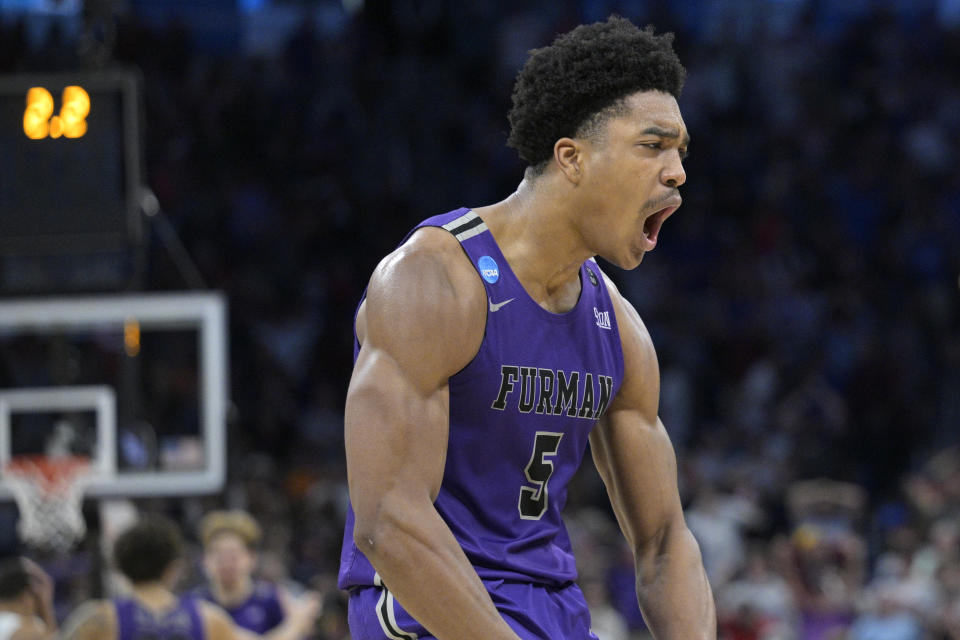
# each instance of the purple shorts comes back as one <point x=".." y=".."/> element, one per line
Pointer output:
<point x="534" y="612"/>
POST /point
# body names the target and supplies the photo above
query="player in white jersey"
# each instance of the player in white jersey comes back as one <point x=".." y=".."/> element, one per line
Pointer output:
<point x="26" y="601"/>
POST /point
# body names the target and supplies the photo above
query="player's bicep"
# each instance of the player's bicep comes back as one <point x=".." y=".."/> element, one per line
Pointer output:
<point x="423" y="321"/>
<point x="395" y="434"/>
<point x="637" y="463"/>
<point x="425" y="308"/>
<point x="630" y="445"/>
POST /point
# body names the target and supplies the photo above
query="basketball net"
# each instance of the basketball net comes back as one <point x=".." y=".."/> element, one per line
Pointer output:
<point x="49" y="494"/>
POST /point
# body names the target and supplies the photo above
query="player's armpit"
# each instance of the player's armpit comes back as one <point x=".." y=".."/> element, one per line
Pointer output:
<point x="93" y="620"/>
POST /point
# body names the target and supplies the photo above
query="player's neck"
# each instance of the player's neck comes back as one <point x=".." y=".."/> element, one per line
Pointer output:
<point x="532" y="230"/>
<point x="233" y="594"/>
<point x="154" y="595"/>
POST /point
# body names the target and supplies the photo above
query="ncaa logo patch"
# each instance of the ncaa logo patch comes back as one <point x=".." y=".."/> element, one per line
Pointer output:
<point x="489" y="269"/>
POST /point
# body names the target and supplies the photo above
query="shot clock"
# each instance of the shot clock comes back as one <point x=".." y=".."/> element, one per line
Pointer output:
<point x="39" y="121"/>
<point x="69" y="169"/>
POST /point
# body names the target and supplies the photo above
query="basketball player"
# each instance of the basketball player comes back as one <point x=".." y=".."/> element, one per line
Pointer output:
<point x="148" y="554"/>
<point x="229" y="539"/>
<point x="490" y="348"/>
<point x="26" y="601"/>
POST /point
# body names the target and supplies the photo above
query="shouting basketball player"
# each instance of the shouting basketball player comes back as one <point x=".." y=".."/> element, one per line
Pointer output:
<point x="491" y="348"/>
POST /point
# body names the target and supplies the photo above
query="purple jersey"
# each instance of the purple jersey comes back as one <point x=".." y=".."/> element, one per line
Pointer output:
<point x="136" y="622"/>
<point x="520" y="416"/>
<point x="259" y="613"/>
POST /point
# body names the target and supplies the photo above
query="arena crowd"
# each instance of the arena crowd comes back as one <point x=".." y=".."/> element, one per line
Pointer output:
<point x="804" y="300"/>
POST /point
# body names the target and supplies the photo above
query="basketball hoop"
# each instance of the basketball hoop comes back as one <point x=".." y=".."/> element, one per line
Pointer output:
<point x="49" y="494"/>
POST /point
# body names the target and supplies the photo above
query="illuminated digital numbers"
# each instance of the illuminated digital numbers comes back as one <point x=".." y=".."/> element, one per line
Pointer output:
<point x="70" y="123"/>
<point x="36" y="118"/>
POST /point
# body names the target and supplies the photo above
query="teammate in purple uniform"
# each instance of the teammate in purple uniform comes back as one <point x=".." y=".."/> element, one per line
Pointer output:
<point x="490" y="349"/>
<point x="148" y="554"/>
<point x="229" y="560"/>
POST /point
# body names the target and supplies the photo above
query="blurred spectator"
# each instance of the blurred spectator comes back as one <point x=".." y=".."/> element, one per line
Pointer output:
<point x="759" y="603"/>
<point x="888" y="619"/>
<point x="718" y="521"/>
<point x="829" y="556"/>
<point x="230" y="539"/>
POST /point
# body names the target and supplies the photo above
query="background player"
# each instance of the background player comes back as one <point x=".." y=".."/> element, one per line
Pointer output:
<point x="149" y="555"/>
<point x="26" y="601"/>
<point x="489" y="348"/>
<point x="229" y="561"/>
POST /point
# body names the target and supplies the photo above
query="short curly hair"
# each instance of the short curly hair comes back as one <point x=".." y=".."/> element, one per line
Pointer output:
<point x="570" y="87"/>
<point x="145" y="551"/>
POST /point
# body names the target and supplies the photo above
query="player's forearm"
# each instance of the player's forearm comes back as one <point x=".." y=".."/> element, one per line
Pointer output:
<point x="423" y="565"/>
<point x="673" y="591"/>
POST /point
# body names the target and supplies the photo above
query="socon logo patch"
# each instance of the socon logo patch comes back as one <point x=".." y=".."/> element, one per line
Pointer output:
<point x="593" y="277"/>
<point x="489" y="269"/>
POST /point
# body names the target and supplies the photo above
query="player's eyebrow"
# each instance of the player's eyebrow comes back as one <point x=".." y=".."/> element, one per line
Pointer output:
<point x="667" y="133"/>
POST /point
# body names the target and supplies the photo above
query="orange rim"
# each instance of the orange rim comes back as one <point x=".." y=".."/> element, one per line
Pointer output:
<point x="53" y="473"/>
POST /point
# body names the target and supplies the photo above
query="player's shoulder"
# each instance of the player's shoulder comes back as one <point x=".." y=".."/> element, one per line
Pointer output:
<point x="213" y="615"/>
<point x="93" y="608"/>
<point x="428" y="252"/>
<point x="92" y="619"/>
<point x="641" y="370"/>
<point x="428" y="278"/>
<point x="629" y="321"/>
<point x="426" y="292"/>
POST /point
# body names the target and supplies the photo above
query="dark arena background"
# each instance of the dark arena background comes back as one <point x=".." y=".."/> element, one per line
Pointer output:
<point x="178" y="280"/>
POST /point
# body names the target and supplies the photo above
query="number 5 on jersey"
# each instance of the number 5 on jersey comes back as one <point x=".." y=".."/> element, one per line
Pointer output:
<point x="533" y="500"/>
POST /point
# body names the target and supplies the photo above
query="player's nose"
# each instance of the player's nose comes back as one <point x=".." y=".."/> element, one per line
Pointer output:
<point x="673" y="174"/>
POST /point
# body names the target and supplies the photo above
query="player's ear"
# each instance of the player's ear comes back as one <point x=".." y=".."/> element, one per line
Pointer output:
<point x="567" y="154"/>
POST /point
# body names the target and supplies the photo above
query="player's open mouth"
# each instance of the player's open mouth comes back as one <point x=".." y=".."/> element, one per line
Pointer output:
<point x="651" y="226"/>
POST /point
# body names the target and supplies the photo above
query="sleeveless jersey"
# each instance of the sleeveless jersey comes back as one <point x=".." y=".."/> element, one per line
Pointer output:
<point x="520" y="415"/>
<point x="136" y="622"/>
<point x="259" y="613"/>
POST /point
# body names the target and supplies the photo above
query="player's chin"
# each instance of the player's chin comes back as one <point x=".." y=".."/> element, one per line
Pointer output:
<point x="630" y="259"/>
<point x="627" y="257"/>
